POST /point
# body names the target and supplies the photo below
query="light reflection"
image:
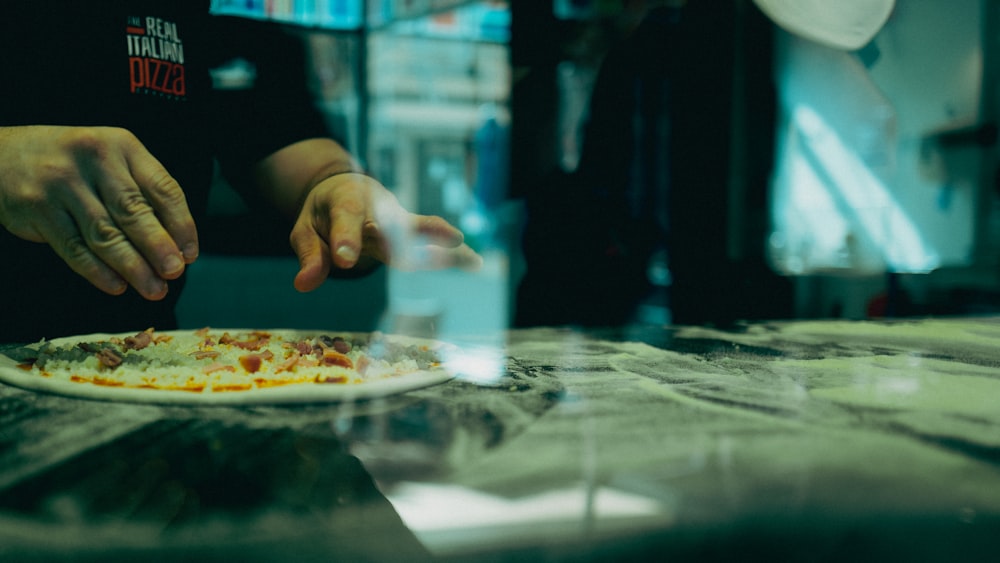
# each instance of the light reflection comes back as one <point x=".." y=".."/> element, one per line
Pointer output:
<point x="482" y="366"/>
<point x="837" y="207"/>
<point x="428" y="509"/>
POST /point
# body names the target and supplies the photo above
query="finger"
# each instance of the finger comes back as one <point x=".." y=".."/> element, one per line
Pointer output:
<point x="132" y="216"/>
<point x="435" y="245"/>
<point x="167" y="199"/>
<point x="114" y="248"/>
<point x="133" y="208"/>
<point x="465" y="258"/>
<point x="100" y="233"/>
<point x="347" y="217"/>
<point x="433" y="257"/>
<point x="374" y="243"/>
<point x="438" y="230"/>
<point x="462" y="256"/>
<point x="130" y="210"/>
<point x="60" y="232"/>
<point x="313" y="254"/>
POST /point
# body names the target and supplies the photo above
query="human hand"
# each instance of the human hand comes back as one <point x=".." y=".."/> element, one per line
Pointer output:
<point x="350" y="220"/>
<point x="104" y="204"/>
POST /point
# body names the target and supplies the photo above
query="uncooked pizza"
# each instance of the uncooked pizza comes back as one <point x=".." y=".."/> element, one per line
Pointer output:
<point x="227" y="366"/>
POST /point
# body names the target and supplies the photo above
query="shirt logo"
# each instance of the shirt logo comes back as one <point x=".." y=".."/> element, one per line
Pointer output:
<point x="155" y="58"/>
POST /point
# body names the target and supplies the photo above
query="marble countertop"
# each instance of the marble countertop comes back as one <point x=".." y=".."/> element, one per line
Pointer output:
<point x="822" y="440"/>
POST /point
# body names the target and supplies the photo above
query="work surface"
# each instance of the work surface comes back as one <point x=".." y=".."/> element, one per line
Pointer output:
<point x="804" y="440"/>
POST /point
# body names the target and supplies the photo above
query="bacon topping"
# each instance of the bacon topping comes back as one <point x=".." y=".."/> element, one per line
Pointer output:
<point x="202" y="354"/>
<point x="139" y="341"/>
<point x="214" y="367"/>
<point x="334" y="358"/>
<point x="254" y="341"/>
<point x="307" y="362"/>
<point x="251" y="362"/>
<point x="109" y="358"/>
<point x="290" y="362"/>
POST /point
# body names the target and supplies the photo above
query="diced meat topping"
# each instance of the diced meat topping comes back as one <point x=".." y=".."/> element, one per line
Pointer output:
<point x="139" y="341"/>
<point x="341" y="345"/>
<point x="216" y="366"/>
<point x="251" y="362"/>
<point x="203" y="354"/>
<point x="109" y="357"/>
<point x="254" y="340"/>
<point x="289" y="363"/>
<point x="335" y="358"/>
<point x="337" y="343"/>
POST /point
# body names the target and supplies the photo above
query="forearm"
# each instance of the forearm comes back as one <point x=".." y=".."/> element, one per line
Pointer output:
<point x="286" y="176"/>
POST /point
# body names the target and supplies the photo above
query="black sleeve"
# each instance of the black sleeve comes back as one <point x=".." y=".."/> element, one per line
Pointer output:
<point x="276" y="109"/>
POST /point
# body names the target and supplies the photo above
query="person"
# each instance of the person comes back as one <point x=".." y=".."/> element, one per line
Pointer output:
<point x="109" y="133"/>
<point x="652" y="235"/>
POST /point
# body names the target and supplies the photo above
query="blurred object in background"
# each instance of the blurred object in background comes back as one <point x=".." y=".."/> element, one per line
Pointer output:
<point x="438" y="118"/>
<point x="886" y="158"/>
<point x="851" y="190"/>
<point x="663" y="217"/>
<point x="846" y="24"/>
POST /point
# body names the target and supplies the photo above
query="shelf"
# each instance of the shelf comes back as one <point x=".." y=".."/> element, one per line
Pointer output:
<point x="388" y="12"/>
<point x="470" y="21"/>
<point x="462" y="19"/>
<point x="326" y="14"/>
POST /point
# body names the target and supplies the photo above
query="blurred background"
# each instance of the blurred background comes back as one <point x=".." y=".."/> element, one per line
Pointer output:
<point x="637" y="163"/>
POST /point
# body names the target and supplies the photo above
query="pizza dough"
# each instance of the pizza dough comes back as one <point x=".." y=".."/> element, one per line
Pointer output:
<point x="228" y="367"/>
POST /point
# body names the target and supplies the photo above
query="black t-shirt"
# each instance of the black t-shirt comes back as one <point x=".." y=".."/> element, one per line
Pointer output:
<point x="143" y="66"/>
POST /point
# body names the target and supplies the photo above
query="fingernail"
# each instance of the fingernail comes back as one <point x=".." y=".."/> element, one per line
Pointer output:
<point x="155" y="288"/>
<point x="172" y="264"/>
<point x="347" y="253"/>
<point x="190" y="252"/>
<point x="118" y="287"/>
<point x="473" y="263"/>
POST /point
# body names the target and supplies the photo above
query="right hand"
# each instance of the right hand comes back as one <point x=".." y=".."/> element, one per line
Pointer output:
<point x="104" y="204"/>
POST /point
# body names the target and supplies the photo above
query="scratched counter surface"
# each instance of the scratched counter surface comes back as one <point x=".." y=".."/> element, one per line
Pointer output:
<point x="818" y="441"/>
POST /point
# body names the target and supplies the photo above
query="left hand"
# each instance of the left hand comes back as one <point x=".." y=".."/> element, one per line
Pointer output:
<point x="350" y="221"/>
